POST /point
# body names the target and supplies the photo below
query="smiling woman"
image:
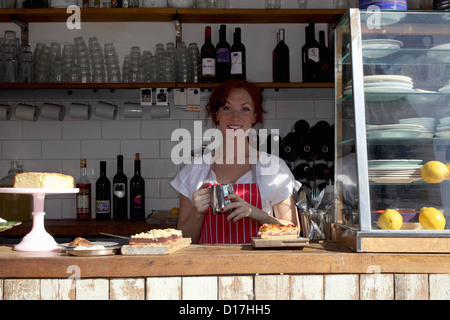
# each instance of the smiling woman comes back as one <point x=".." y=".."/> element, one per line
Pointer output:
<point x="260" y="195"/>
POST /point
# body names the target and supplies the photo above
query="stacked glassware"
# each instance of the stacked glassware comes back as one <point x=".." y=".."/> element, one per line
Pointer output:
<point x="97" y="61"/>
<point x="111" y="63"/>
<point x="82" y="60"/>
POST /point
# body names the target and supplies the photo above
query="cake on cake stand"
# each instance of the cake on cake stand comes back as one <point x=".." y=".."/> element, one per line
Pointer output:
<point x="38" y="239"/>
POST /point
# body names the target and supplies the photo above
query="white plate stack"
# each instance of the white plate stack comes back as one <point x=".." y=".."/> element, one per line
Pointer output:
<point x="443" y="128"/>
<point x="395" y="170"/>
<point x="428" y="123"/>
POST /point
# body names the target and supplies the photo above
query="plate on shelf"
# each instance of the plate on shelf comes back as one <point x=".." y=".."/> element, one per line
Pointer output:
<point x="394" y="126"/>
<point x="395" y="179"/>
<point x="443" y="134"/>
<point x="388" y="78"/>
<point x="394" y="134"/>
<point x="394" y="163"/>
<point x="424" y="97"/>
<point x="379" y="48"/>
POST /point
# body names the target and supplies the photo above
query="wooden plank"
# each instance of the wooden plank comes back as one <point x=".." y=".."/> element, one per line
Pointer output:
<point x="439" y="286"/>
<point x="376" y="286"/>
<point x="127" y="289"/>
<point x="405" y="244"/>
<point x="341" y="287"/>
<point x="57" y="289"/>
<point x="235" y="288"/>
<point x="306" y="287"/>
<point x="129" y="250"/>
<point x="411" y="287"/>
<point x="26" y="289"/>
<point x="199" y="288"/>
<point x="272" y="287"/>
<point x="280" y="243"/>
<point x="92" y="289"/>
<point x="163" y="288"/>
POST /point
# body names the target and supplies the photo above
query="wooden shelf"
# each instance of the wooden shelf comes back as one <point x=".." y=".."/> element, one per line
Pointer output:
<point x="247" y="16"/>
<point x="171" y="85"/>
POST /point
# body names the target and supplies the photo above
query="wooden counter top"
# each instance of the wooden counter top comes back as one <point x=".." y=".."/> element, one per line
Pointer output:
<point x="327" y="258"/>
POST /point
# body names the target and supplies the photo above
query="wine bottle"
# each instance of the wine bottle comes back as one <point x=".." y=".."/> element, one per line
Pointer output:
<point x="120" y="192"/>
<point x="280" y="63"/>
<point x="238" y="57"/>
<point x="223" y="66"/>
<point x="103" y="195"/>
<point x="137" y="192"/>
<point x="324" y="74"/>
<point x="310" y="55"/>
<point x="208" y="55"/>
<point x="83" y="197"/>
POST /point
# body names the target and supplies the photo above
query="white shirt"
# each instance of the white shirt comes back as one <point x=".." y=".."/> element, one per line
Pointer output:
<point x="276" y="182"/>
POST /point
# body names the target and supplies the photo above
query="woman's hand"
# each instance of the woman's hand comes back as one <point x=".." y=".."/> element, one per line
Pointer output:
<point x="202" y="198"/>
<point x="242" y="209"/>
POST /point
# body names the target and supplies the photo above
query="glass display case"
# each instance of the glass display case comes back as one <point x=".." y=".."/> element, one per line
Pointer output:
<point x="392" y="131"/>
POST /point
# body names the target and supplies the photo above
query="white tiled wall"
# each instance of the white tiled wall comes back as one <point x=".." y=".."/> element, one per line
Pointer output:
<point x="57" y="146"/>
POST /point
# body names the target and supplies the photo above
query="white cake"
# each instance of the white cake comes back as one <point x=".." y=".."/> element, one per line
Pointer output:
<point x="43" y="180"/>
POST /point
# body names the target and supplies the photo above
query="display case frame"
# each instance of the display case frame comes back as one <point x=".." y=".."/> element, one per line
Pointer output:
<point x="354" y="217"/>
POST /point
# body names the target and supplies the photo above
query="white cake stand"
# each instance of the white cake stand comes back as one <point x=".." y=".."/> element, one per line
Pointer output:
<point x="38" y="238"/>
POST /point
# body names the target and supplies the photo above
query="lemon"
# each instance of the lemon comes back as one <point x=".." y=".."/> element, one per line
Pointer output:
<point x="431" y="219"/>
<point x="175" y="211"/>
<point x="390" y="220"/>
<point x="434" y="172"/>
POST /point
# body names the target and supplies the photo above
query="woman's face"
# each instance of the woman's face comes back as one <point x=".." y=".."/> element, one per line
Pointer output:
<point x="238" y="112"/>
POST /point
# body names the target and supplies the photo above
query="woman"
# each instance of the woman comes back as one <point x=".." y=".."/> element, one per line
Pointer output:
<point x="260" y="196"/>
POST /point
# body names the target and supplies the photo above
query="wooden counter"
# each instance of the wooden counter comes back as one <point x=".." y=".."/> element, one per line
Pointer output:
<point x="230" y="271"/>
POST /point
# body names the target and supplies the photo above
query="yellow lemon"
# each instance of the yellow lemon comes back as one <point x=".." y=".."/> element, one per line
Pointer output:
<point x="434" y="172"/>
<point x="175" y="211"/>
<point x="431" y="219"/>
<point x="390" y="220"/>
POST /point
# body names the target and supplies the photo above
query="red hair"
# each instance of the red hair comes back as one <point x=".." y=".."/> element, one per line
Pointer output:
<point x="220" y="94"/>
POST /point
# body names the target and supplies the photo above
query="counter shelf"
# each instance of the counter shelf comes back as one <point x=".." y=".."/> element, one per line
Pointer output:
<point x="38" y="239"/>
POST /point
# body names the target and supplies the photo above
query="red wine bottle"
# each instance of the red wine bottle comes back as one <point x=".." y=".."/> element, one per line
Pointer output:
<point x="83" y="198"/>
<point x="120" y="192"/>
<point x="223" y="66"/>
<point x="324" y="74"/>
<point x="238" y="57"/>
<point x="280" y="63"/>
<point x="103" y="195"/>
<point x="208" y="55"/>
<point x="310" y="55"/>
<point x="137" y="192"/>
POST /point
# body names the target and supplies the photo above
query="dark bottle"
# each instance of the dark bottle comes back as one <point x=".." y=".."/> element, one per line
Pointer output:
<point x="223" y="66"/>
<point x="208" y="55"/>
<point x="238" y="57"/>
<point x="310" y="55"/>
<point x="137" y="192"/>
<point x="324" y="71"/>
<point x="120" y="192"/>
<point x="280" y="63"/>
<point x="103" y="195"/>
<point x="84" y="211"/>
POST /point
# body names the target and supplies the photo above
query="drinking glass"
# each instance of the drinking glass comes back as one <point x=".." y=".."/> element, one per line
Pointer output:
<point x="341" y="4"/>
<point x="302" y="4"/>
<point x="212" y="3"/>
<point x="273" y="4"/>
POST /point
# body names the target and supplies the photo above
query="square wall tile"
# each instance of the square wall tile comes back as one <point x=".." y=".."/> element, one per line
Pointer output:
<point x="24" y="149"/>
<point x="100" y="149"/>
<point x="42" y="130"/>
<point x="61" y="149"/>
<point x="82" y="130"/>
<point x="121" y="129"/>
<point x="11" y="130"/>
<point x="159" y="129"/>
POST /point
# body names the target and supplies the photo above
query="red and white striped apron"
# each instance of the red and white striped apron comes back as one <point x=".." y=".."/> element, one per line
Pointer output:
<point x="216" y="228"/>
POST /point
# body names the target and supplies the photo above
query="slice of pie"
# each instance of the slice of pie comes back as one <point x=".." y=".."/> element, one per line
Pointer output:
<point x="156" y="237"/>
<point x="276" y="231"/>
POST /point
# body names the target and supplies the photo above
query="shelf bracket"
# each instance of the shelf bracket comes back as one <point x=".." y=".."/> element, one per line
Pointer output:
<point x="178" y="29"/>
<point x="24" y="36"/>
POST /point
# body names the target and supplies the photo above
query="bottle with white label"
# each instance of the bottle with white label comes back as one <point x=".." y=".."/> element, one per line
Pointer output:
<point x="238" y="59"/>
<point x="83" y="197"/>
<point x="120" y="192"/>
<point x="310" y="56"/>
<point x="208" y="55"/>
